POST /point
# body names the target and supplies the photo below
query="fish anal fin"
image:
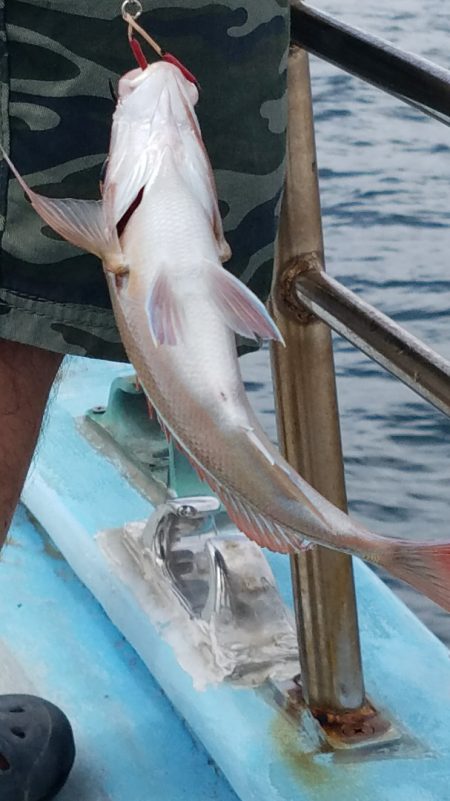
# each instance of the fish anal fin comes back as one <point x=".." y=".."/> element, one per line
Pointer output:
<point x="259" y="529"/>
<point x="165" y="313"/>
<point x="261" y="535"/>
<point x="242" y="311"/>
<point x="254" y="525"/>
<point x="266" y="533"/>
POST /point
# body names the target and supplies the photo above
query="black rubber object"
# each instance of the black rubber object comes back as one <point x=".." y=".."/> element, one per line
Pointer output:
<point x="36" y="748"/>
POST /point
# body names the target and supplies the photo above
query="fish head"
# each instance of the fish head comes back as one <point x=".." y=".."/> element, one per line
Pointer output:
<point x="155" y="110"/>
<point x="161" y="85"/>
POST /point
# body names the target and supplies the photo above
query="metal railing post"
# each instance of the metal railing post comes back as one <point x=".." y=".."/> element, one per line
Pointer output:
<point x="308" y="423"/>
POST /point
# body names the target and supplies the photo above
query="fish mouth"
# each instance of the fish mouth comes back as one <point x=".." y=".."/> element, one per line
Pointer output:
<point x="121" y="225"/>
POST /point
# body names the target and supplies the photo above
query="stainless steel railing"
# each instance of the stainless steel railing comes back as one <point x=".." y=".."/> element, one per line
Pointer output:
<point x="306" y="303"/>
<point x="412" y="79"/>
<point x="379" y="337"/>
<point x="308" y="426"/>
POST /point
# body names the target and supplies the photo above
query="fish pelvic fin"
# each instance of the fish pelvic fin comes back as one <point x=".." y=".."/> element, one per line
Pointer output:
<point x="423" y="565"/>
<point x="242" y="311"/>
<point x="87" y="224"/>
<point x="165" y="313"/>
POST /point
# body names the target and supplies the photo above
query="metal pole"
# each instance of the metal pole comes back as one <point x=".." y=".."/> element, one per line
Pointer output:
<point x="308" y="424"/>
<point x="412" y="79"/>
<point x="382" y="339"/>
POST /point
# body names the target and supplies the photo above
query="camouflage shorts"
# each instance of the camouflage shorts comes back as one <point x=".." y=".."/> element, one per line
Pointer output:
<point x="57" y="60"/>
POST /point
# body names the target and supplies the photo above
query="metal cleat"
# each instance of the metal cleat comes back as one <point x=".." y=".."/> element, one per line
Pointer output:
<point x="222" y="581"/>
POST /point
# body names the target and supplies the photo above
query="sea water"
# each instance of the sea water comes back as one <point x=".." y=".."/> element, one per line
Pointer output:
<point x="385" y="191"/>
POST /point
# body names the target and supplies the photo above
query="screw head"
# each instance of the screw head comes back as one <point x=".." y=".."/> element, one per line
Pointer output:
<point x="187" y="511"/>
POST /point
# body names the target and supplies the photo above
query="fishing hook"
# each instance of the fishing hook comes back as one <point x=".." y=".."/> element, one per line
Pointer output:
<point x="131" y="10"/>
<point x="133" y="25"/>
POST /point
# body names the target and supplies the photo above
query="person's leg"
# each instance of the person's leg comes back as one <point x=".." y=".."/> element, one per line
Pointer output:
<point x="26" y="377"/>
<point x="36" y="765"/>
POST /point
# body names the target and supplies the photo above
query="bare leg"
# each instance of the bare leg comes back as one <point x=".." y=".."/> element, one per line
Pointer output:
<point x="26" y="377"/>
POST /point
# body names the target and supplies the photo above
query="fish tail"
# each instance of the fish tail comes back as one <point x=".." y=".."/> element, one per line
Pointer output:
<point x="425" y="566"/>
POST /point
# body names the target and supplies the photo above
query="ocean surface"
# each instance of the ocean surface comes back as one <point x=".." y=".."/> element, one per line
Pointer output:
<point x="385" y="189"/>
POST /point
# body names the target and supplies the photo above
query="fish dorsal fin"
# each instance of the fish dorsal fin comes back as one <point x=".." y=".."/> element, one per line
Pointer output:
<point x="242" y="311"/>
<point x="165" y="313"/>
<point x="84" y="223"/>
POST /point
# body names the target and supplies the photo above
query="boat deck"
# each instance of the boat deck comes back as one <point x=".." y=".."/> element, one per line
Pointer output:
<point x="56" y="641"/>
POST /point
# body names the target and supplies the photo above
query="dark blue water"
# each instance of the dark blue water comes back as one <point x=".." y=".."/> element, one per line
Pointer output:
<point x="385" y="188"/>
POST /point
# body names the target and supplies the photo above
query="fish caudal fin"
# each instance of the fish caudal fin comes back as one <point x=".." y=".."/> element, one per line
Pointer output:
<point x="85" y="223"/>
<point x="425" y="566"/>
<point x="242" y="311"/>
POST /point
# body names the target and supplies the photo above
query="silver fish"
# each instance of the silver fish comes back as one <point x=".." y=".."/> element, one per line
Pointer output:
<point x="159" y="235"/>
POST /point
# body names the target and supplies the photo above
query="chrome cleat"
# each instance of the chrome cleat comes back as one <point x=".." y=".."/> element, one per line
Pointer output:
<point x="221" y="580"/>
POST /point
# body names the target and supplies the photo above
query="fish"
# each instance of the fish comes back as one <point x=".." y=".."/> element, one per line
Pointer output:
<point x="158" y="232"/>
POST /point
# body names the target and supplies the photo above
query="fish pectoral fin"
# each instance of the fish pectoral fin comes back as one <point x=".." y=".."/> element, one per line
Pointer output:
<point x="165" y="313"/>
<point x="81" y="222"/>
<point x="242" y="311"/>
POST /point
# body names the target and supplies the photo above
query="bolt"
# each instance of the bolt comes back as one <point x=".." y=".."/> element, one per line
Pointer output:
<point x="358" y="730"/>
<point x="187" y="511"/>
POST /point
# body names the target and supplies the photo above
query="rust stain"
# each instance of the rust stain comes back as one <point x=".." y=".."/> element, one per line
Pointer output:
<point x="352" y="726"/>
<point x="316" y="769"/>
<point x="285" y="289"/>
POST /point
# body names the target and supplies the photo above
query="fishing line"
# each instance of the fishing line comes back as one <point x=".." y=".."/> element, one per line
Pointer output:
<point x="131" y="10"/>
